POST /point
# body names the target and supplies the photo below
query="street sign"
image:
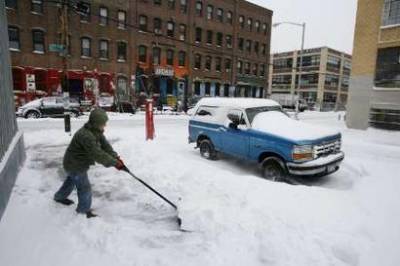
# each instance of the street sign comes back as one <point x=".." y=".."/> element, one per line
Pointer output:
<point x="58" y="48"/>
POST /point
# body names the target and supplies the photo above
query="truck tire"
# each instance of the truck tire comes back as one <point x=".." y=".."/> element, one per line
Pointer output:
<point x="273" y="169"/>
<point x="207" y="150"/>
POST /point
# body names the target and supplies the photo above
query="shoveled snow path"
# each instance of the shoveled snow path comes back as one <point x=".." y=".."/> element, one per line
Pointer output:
<point x="349" y="218"/>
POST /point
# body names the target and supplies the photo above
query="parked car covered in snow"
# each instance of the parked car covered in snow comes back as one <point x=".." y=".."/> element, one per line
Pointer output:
<point x="48" y="107"/>
<point x="259" y="130"/>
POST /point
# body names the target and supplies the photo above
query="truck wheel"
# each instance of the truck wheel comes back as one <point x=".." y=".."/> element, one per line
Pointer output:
<point x="32" y="114"/>
<point x="273" y="169"/>
<point x="207" y="150"/>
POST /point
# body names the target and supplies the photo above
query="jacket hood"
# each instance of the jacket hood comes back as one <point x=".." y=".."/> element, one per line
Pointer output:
<point x="98" y="117"/>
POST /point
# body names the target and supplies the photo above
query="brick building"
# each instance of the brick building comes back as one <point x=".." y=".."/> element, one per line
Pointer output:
<point x="133" y="48"/>
<point x="374" y="96"/>
<point x="325" y="76"/>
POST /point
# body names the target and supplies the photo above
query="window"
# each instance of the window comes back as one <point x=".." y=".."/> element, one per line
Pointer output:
<point x="182" y="32"/>
<point x="262" y="70"/>
<point x="256" y="47"/>
<point x="264" y="49"/>
<point x="85" y="17"/>
<point x="255" y="69"/>
<point x="197" y="61"/>
<point x="240" y="67"/>
<point x="391" y="12"/>
<point x="157" y="26"/>
<point x="11" y="4"/>
<point x="265" y="28"/>
<point x="241" y="44"/>
<point x="206" y="110"/>
<point x="171" y="4"/>
<point x="143" y="23"/>
<point x="121" y="51"/>
<point x="208" y="63"/>
<point x="228" y="65"/>
<point x="334" y="63"/>
<point x="13" y="38"/>
<point x="199" y="8"/>
<point x="247" y="68"/>
<point x="121" y="19"/>
<point x="182" y="58"/>
<point x="210" y="37"/>
<point x="250" y="23"/>
<point x="210" y="12"/>
<point x="257" y="26"/>
<point x="220" y="15"/>
<point x="103" y="16"/>
<point x="38" y="41"/>
<point x="241" y="21"/>
<point x="184" y="6"/>
<point x="199" y="32"/>
<point x="142" y="54"/>
<point x="228" y="41"/>
<point x="248" y="46"/>
<point x="388" y="68"/>
<point x="229" y="17"/>
<point x="170" y="29"/>
<point x="170" y="57"/>
<point x="156" y="55"/>
<point x="37" y="6"/>
<point x="218" y="64"/>
<point x="219" y="39"/>
<point x="103" y="49"/>
<point x="86" y="47"/>
<point x="157" y="2"/>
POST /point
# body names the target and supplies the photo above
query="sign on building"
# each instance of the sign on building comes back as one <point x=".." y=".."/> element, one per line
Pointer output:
<point x="30" y="82"/>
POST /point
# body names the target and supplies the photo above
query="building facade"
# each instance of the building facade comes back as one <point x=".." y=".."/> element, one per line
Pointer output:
<point x="374" y="97"/>
<point x="324" y="77"/>
<point x="133" y="49"/>
<point x="12" y="153"/>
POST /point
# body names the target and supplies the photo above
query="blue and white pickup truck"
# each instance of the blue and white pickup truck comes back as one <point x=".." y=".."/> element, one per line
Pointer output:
<point x="258" y="130"/>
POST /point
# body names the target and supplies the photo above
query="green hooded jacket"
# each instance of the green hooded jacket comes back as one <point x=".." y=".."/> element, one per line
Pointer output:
<point x="89" y="146"/>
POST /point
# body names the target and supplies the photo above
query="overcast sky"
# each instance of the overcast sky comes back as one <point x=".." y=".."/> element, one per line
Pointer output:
<point x="329" y="23"/>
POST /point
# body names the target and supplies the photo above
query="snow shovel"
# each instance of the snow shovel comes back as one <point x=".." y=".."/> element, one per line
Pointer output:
<point x="155" y="192"/>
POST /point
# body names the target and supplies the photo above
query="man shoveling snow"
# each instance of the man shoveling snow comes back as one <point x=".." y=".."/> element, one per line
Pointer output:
<point x="87" y="147"/>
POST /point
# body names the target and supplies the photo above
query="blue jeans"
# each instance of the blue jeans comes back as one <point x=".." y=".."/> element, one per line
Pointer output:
<point x="82" y="184"/>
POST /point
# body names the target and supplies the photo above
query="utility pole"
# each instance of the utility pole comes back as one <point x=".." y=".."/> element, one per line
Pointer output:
<point x="300" y="69"/>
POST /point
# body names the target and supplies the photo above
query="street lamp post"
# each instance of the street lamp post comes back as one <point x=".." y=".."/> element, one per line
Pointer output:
<point x="300" y="69"/>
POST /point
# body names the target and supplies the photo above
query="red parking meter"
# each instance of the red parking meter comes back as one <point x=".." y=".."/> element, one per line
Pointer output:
<point x="149" y="120"/>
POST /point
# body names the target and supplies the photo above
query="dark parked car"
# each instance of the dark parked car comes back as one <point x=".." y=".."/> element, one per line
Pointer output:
<point x="49" y="107"/>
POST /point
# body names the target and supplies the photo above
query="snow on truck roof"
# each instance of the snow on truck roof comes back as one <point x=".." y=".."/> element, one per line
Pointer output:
<point x="237" y="102"/>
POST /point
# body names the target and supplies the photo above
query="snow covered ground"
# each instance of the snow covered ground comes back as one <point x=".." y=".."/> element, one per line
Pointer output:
<point x="349" y="218"/>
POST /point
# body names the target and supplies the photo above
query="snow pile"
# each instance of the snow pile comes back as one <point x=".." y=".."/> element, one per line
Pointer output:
<point x="348" y="218"/>
<point x="277" y="123"/>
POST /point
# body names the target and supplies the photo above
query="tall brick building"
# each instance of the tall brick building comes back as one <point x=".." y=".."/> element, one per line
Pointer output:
<point x="133" y="48"/>
<point x="374" y="95"/>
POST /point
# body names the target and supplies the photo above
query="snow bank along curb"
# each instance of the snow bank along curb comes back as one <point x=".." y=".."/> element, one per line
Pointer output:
<point x="9" y="168"/>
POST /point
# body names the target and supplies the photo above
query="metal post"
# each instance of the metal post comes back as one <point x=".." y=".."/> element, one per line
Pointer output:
<point x="300" y="69"/>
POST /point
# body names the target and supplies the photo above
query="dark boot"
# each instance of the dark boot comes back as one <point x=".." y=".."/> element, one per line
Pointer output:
<point x="90" y="214"/>
<point x="66" y="202"/>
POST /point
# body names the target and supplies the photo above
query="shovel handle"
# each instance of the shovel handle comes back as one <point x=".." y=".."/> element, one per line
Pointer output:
<point x="150" y="188"/>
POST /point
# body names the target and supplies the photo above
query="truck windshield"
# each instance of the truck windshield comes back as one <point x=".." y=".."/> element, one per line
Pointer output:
<point x="252" y="112"/>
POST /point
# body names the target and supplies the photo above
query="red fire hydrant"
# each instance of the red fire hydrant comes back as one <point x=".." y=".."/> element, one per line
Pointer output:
<point x="149" y="120"/>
